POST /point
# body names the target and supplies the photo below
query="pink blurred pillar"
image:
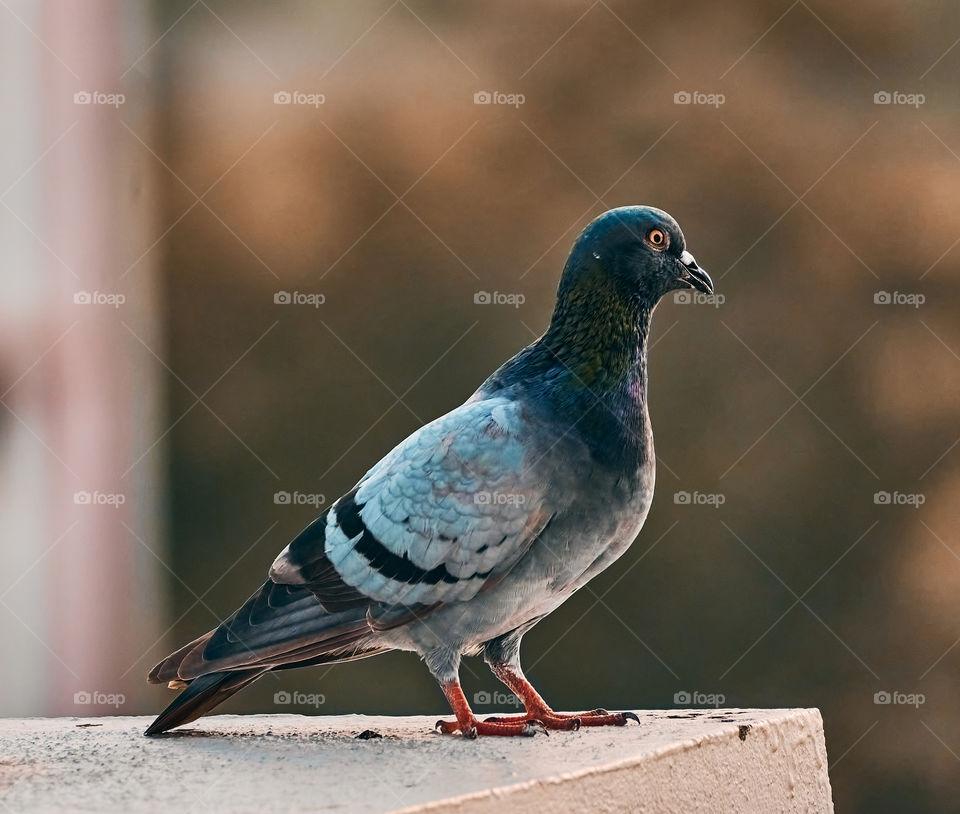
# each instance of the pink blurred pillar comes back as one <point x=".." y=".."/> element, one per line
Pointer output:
<point x="84" y="605"/>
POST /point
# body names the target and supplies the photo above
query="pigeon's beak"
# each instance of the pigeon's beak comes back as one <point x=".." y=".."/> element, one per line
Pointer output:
<point x="693" y="275"/>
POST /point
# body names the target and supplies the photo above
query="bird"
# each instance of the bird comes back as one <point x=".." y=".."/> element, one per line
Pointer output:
<point x="485" y="520"/>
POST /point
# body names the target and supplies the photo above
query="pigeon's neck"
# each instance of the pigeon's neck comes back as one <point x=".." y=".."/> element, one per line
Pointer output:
<point x="600" y="337"/>
<point x="595" y="352"/>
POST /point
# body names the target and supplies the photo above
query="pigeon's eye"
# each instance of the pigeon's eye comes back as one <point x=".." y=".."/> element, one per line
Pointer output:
<point x="657" y="238"/>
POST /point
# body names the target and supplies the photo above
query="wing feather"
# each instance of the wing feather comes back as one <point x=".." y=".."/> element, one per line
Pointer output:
<point x="451" y="507"/>
<point x="447" y="512"/>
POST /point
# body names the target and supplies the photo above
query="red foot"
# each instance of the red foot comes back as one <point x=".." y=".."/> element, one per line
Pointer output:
<point x="468" y="725"/>
<point x="568" y="721"/>
<point x="538" y="718"/>
<point x="474" y="728"/>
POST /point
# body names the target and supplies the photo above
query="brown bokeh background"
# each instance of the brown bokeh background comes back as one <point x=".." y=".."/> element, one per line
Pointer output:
<point x="797" y="399"/>
<point x="316" y="399"/>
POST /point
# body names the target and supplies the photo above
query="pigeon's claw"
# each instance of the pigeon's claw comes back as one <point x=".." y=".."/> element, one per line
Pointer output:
<point x="475" y="728"/>
<point x="572" y="722"/>
<point x="446" y="727"/>
<point x="468" y="725"/>
<point x="608" y="718"/>
<point x="547" y="720"/>
<point x="538" y="710"/>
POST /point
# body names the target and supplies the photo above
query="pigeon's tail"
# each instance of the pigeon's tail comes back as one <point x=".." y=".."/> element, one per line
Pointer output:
<point x="280" y="626"/>
<point x="201" y="695"/>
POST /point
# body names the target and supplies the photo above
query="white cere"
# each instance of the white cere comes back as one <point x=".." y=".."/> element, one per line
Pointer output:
<point x="687" y="259"/>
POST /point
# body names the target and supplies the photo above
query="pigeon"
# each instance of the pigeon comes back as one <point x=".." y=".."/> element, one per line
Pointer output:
<point x="485" y="520"/>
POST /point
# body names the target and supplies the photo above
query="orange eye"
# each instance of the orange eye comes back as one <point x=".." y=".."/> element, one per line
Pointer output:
<point x="657" y="238"/>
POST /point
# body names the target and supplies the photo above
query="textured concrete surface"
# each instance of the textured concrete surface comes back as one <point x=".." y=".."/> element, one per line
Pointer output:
<point x="674" y="761"/>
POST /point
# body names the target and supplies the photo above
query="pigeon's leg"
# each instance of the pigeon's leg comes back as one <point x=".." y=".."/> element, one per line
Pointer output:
<point x="503" y="657"/>
<point x="470" y="726"/>
<point x="466" y="722"/>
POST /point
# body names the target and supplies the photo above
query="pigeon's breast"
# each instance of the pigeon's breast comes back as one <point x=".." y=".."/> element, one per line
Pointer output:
<point x="596" y="513"/>
<point x="600" y="527"/>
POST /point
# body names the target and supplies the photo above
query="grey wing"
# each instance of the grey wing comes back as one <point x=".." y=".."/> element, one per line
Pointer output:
<point x="449" y="510"/>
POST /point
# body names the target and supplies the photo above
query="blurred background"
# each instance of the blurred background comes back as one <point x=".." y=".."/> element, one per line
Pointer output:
<point x="248" y="248"/>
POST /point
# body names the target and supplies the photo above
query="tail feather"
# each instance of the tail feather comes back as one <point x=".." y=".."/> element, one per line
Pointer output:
<point x="167" y="670"/>
<point x="202" y="695"/>
<point x="279" y="626"/>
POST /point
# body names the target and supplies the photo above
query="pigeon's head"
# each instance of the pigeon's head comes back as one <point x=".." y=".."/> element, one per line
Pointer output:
<point x="640" y="250"/>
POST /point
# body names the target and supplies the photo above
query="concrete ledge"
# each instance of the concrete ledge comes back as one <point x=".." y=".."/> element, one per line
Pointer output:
<point x="674" y="761"/>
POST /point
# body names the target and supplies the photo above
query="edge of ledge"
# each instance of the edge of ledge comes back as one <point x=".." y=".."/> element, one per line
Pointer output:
<point x="518" y="795"/>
